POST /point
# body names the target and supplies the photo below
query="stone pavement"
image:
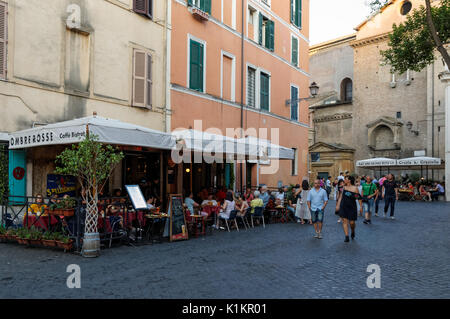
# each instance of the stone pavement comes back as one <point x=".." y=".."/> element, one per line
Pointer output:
<point x="281" y="261"/>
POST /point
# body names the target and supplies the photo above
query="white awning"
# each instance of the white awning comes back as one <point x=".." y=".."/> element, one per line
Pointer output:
<point x="4" y="137"/>
<point x="376" y="162"/>
<point x="108" y="131"/>
<point x="419" y="161"/>
<point x="252" y="147"/>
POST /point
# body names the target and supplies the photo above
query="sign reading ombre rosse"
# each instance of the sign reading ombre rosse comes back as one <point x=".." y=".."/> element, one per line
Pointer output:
<point x="53" y="136"/>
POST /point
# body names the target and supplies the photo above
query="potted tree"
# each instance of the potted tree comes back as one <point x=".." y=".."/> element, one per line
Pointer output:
<point x="92" y="163"/>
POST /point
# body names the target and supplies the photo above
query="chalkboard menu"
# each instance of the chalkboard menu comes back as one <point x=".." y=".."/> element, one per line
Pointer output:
<point x="178" y="228"/>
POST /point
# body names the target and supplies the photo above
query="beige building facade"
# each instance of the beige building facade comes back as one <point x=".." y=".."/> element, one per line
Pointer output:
<point x="65" y="59"/>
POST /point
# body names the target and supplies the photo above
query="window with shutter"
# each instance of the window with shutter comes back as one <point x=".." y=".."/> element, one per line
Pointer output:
<point x="196" y="66"/>
<point x="295" y="51"/>
<point x="294" y="103"/>
<point x="251" y="92"/>
<point x="143" y="7"/>
<point x="296" y="12"/>
<point x="149" y="82"/>
<point x="261" y="27"/>
<point x="139" y="78"/>
<point x="265" y="94"/>
<point x="3" y="38"/>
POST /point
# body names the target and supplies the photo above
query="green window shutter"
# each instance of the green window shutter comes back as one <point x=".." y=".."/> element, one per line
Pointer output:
<point x="292" y="11"/>
<point x="294" y="105"/>
<point x="264" y="103"/>
<point x="190" y="2"/>
<point x="295" y="51"/>
<point x="206" y="6"/>
<point x="196" y="66"/>
<point x="272" y="35"/>
<point x="299" y="13"/>
<point x="260" y="29"/>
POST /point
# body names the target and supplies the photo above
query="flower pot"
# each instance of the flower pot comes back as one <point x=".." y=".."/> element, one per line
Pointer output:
<point x="68" y="212"/>
<point x="36" y="242"/>
<point x="49" y="242"/>
<point x="23" y="241"/>
<point x="67" y="246"/>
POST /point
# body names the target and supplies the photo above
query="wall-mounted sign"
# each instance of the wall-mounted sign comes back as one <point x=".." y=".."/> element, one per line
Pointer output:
<point x="46" y="136"/>
<point x="61" y="185"/>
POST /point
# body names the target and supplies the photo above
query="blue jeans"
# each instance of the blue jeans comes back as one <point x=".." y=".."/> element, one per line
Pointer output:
<point x="317" y="216"/>
<point x="368" y="206"/>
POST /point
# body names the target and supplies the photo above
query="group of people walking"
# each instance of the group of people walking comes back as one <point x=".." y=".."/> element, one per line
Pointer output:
<point x="354" y="196"/>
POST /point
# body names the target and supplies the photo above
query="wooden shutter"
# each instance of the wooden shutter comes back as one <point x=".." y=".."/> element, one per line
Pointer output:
<point x="299" y="13"/>
<point x="149" y="82"/>
<point x="140" y="6"/>
<point x="292" y="11"/>
<point x="270" y="39"/>
<point x="264" y="104"/>
<point x="260" y="40"/>
<point x="150" y="9"/>
<point x="206" y="6"/>
<point x="139" y="71"/>
<point x="294" y="51"/>
<point x="196" y="66"/>
<point x="251" y="77"/>
<point x="294" y="103"/>
<point x="3" y="38"/>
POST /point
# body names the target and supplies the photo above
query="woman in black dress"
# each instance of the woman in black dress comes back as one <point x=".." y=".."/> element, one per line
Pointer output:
<point x="346" y="206"/>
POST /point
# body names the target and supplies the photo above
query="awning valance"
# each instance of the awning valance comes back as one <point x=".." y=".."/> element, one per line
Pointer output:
<point x="108" y="131"/>
<point x="376" y="162"/>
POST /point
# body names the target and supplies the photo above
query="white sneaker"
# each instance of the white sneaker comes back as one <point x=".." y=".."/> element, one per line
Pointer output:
<point x="392" y="217"/>
<point x="385" y="215"/>
<point x="320" y="236"/>
<point x="316" y="235"/>
<point x="339" y="220"/>
<point x="298" y="221"/>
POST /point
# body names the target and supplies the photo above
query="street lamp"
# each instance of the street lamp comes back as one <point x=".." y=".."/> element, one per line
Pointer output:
<point x="313" y="91"/>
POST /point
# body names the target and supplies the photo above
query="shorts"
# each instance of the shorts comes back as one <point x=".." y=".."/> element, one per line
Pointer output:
<point x="317" y="216"/>
<point x="368" y="206"/>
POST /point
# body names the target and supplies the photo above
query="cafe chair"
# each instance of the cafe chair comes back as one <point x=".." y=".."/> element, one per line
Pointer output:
<point x="258" y="214"/>
<point x="244" y="218"/>
<point x="232" y="217"/>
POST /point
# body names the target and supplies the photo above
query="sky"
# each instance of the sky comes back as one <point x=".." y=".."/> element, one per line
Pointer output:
<point x="332" y="19"/>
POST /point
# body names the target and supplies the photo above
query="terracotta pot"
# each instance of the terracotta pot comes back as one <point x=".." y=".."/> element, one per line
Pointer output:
<point x="67" y="246"/>
<point x="23" y="241"/>
<point x="69" y="212"/>
<point x="36" y="242"/>
<point x="49" y="243"/>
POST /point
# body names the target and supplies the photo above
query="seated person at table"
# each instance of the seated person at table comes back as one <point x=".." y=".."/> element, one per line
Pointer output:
<point x="279" y="201"/>
<point x="220" y="195"/>
<point x="53" y="200"/>
<point x="248" y="196"/>
<point x="210" y="201"/>
<point x="423" y="192"/>
<point x="241" y="205"/>
<point x="257" y="202"/>
<point x="191" y="204"/>
<point x="151" y="203"/>
<point x="38" y="207"/>
<point x="227" y="207"/>
<point x="438" y="191"/>
<point x="271" y="203"/>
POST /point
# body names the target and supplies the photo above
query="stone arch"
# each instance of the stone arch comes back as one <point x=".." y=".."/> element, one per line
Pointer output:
<point x="382" y="137"/>
<point x="346" y="90"/>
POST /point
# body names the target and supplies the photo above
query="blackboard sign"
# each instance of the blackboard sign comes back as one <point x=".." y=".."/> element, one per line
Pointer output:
<point x="178" y="228"/>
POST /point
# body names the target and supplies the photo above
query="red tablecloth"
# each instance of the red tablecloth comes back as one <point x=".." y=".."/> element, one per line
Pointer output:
<point x="130" y="217"/>
<point x="211" y="210"/>
<point x="42" y="222"/>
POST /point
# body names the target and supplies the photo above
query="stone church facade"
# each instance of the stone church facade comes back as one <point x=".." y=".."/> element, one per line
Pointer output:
<point x="388" y="115"/>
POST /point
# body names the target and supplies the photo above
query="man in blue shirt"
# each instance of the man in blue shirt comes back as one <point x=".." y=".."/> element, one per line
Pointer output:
<point x="264" y="195"/>
<point x="317" y="201"/>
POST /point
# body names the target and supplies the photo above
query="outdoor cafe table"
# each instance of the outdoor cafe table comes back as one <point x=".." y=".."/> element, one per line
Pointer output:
<point x="155" y="219"/>
<point x="199" y="219"/>
<point x="44" y="221"/>
<point x="284" y="213"/>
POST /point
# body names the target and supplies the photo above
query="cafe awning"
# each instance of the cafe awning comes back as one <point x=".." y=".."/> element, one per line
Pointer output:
<point x="419" y="161"/>
<point x="376" y="162"/>
<point x="109" y="131"/>
<point x="252" y="147"/>
<point x="4" y="137"/>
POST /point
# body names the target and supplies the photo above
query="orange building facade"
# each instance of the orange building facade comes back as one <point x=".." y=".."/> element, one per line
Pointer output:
<point x="237" y="62"/>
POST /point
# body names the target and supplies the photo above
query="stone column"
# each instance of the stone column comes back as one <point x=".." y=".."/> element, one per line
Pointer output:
<point x="445" y="78"/>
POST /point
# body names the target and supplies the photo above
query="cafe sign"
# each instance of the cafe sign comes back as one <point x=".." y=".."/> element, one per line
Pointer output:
<point x="45" y="136"/>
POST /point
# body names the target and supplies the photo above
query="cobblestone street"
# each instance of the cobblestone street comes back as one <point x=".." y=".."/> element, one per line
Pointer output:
<point x="281" y="261"/>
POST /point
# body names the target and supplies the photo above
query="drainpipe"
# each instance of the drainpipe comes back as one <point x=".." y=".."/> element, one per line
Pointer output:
<point x="242" y="88"/>
<point x="168" y="38"/>
<point x="432" y="116"/>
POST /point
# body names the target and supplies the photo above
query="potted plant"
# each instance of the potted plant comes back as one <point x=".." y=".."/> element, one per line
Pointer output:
<point x="11" y="234"/>
<point x="2" y="233"/>
<point x="36" y="238"/>
<point x="68" y="206"/>
<point x="64" y="242"/>
<point x="23" y="236"/>
<point x="48" y="239"/>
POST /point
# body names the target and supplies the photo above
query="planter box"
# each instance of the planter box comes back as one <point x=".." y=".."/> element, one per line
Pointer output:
<point x="61" y="212"/>
<point x="67" y="246"/>
<point x="23" y="241"/>
<point x="36" y="242"/>
<point x="49" y="243"/>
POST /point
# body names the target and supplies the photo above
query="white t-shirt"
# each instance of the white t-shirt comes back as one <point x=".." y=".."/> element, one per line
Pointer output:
<point x="340" y="177"/>
<point x="280" y="196"/>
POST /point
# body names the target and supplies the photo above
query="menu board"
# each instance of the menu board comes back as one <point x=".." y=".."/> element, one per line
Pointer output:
<point x="136" y="196"/>
<point x="177" y="221"/>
